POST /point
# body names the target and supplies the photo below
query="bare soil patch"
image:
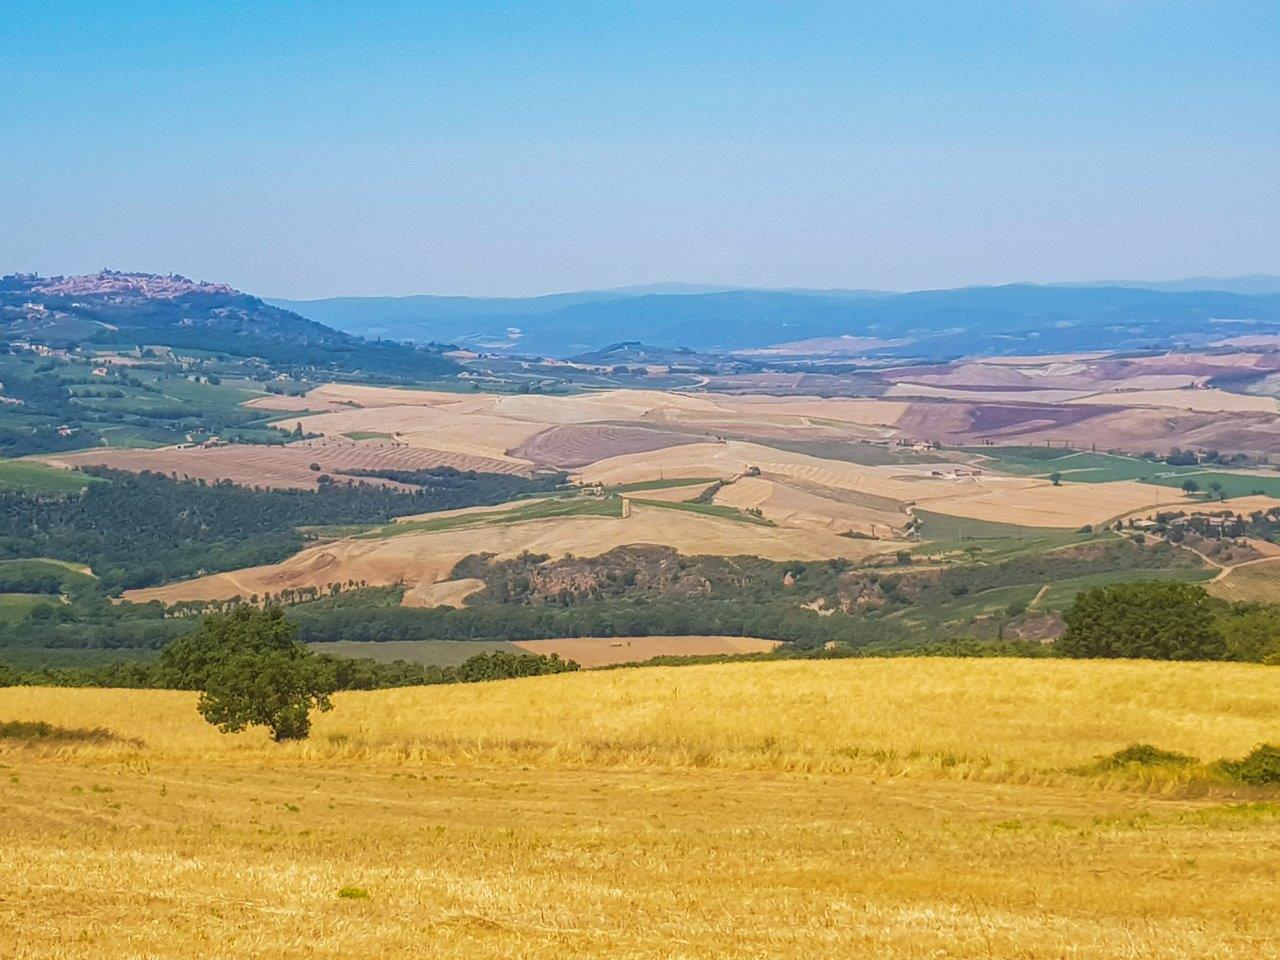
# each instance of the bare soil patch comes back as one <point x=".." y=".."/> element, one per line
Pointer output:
<point x="575" y="445"/>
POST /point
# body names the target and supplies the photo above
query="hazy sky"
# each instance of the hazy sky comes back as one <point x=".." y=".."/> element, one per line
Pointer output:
<point x="313" y="149"/>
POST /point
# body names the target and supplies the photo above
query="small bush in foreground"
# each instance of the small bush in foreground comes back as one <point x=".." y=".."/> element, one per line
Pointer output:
<point x="1259" y="768"/>
<point x="37" y="731"/>
<point x="353" y="893"/>
<point x="1145" y="755"/>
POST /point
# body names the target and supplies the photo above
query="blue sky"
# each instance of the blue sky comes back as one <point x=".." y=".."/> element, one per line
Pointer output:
<point x="314" y="149"/>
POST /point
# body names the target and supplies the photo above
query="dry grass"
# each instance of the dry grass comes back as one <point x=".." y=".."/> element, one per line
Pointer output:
<point x="735" y="811"/>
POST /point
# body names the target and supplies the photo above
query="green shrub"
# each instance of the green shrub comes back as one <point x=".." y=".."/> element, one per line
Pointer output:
<point x="353" y="893"/>
<point x="1145" y="755"/>
<point x="37" y="731"/>
<point x="1260" y="767"/>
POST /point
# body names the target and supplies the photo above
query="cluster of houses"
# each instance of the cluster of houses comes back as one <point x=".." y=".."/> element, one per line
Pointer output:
<point x="1213" y="525"/>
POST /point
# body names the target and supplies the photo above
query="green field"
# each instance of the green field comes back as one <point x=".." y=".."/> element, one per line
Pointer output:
<point x="708" y="509"/>
<point x="225" y="394"/>
<point x="1233" y="484"/>
<point x="431" y="653"/>
<point x="32" y="477"/>
<point x="641" y="485"/>
<point x="944" y="532"/>
<point x="1077" y="466"/>
<point x="127" y="435"/>
<point x="70" y="573"/>
<point x="71" y="658"/>
<point x="1087" y="467"/>
<point x="947" y="616"/>
<point x="1060" y="594"/>
<point x="365" y="434"/>
<point x="956" y="617"/>
<point x="16" y="606"/>
<point x="536" y="510"/>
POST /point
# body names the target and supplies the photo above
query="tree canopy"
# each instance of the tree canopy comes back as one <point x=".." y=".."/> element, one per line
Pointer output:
<point x="251" y="670"/>
<point x="1154" y="620"/>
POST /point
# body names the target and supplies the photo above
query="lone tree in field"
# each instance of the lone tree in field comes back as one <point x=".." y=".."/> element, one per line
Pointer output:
<point x="1152" y="620"/>
<point x="251" y="670"/>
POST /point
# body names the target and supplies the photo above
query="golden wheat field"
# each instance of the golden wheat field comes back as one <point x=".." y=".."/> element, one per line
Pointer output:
<point x="876" y="808"/>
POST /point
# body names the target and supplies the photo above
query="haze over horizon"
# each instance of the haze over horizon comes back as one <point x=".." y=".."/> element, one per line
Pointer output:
<point x="516" y="150"/>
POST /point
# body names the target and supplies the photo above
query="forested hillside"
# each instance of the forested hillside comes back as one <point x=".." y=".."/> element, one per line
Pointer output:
<point x="137" y="530"/>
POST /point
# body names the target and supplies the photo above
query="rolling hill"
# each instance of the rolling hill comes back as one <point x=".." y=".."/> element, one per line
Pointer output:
<point x="114" y="309"/>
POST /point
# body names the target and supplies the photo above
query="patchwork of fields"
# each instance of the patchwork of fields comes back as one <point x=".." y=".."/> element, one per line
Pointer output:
<point x="777" y="477"/>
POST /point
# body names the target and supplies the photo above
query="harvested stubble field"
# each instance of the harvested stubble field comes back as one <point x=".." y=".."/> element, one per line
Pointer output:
<point x="896" y="809"/>
<point x="286" y="465"/>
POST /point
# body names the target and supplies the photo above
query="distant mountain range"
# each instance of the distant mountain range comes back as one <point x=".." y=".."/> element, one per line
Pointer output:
<point x="115" y="309"/>
<point x="401" y="336"/>
<point x="1249" y="283"/>
<point x="929" y="324"/>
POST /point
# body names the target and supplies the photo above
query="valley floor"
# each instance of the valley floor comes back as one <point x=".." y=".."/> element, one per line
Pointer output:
<point x="196" y="845"/>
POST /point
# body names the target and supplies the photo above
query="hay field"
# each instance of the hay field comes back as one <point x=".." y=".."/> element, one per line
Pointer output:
<point x="895" y="809"/>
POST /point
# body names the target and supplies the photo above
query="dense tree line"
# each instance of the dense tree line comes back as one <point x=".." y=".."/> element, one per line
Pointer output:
<point x="139" y="530"/>
<point x="773" y="619"/>
<point x="346" y="674"/>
